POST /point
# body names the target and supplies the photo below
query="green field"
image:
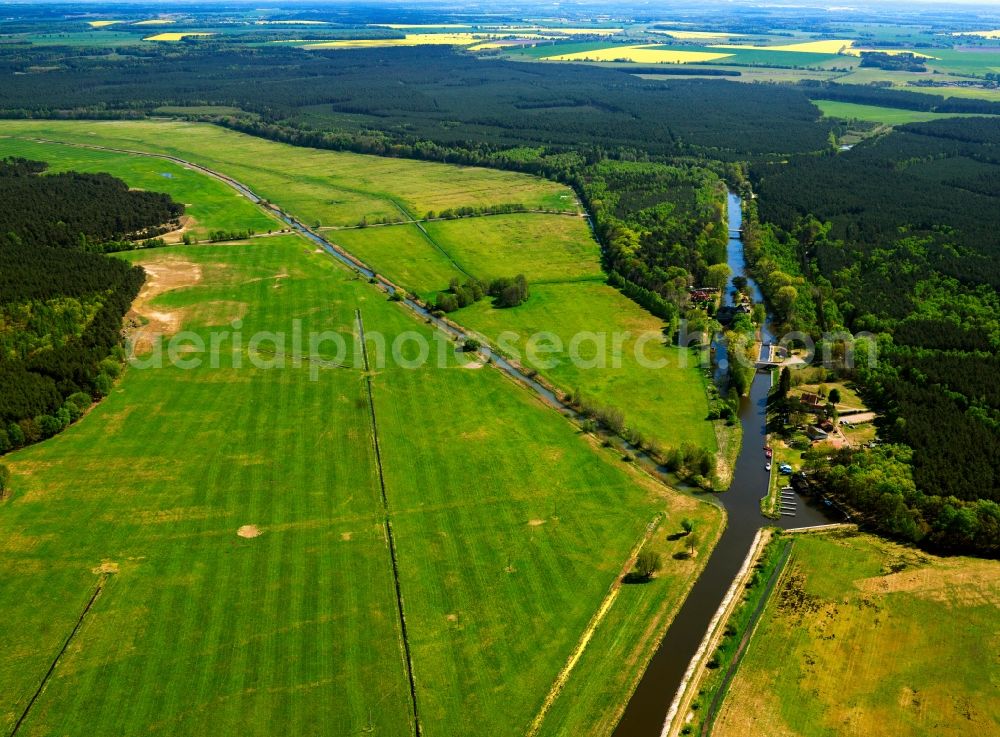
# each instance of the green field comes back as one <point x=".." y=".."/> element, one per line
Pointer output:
<point x="510" y="528"/>
<point x="568" y="298"/>
<point x="667" y="404"/>
<point x="884" y="115"/>
<point x="865" y="637"/>
<point x="404" y="254"/>
<point x="325" y="187"/>
<point x="210" y="204"/>
<point x="424" y="259"/>
<point x="546" y="249"/>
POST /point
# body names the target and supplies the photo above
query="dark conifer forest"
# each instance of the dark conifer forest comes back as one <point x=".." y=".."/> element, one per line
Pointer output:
<point x="61" y="304"/>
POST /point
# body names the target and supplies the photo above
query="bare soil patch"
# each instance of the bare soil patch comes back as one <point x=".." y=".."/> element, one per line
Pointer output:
<point x="177" y="235"/>
<point x="161" y="276"/>
<point x="249" y="531"/>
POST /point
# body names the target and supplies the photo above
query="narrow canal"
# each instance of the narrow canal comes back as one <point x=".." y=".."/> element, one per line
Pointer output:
<point x="647" y="709"/>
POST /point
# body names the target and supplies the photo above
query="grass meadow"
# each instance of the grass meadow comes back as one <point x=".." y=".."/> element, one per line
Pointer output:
<point x="560" y="259"/>
<point x="510" y="528"/>
<point x="404" y="254"/>
<point x="667" y="403"/>
<point x="543" y="248"/>
<point x="876" y="114"/>
<point x="866" y="637"/>
<point x="324" y="187"/>
<point x="201" y="631"/>
<point x="556" y="253"/>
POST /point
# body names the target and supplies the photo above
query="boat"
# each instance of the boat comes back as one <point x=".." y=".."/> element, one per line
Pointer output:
<point x="767" y="467"/>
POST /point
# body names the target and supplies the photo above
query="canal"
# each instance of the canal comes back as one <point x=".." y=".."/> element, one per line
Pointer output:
<point x="647" y="709"/>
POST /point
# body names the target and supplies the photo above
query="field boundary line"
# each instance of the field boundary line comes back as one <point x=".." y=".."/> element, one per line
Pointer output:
<point x="408" y="657"/>
<point x="561" y="213"/>
<point x="563" y="677"/>
<point x="48" y="675"/>
<point x="427" y="236"/>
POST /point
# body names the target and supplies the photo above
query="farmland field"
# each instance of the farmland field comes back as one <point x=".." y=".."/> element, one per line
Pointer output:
<point x="885" y="115"/>
<point x="325" y="187"/>
<point x="568" y="298"/>
<point x="175" y="461"/>
<point x="232" y="517"/>
<point x="543" y="248"/>
<point x="404" y="254"/>
<point x="866" y="637"/>
<point x="645" y="54"/>
<point x="668" y="404"/>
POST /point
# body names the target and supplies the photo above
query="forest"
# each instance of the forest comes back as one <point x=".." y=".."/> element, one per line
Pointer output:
<point x="662" y="227"/>
<point x="414" y="95"/>
<point x="898" y="237"/>
<point x="61" y="305"/>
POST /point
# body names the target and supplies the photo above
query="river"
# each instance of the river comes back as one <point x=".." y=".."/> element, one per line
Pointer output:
<point x="647" y="709"/>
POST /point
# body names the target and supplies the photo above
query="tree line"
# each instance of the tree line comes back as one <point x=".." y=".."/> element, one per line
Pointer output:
<point x="61" y="303"/>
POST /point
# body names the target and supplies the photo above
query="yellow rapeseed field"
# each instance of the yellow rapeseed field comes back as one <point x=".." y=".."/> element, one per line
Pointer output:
<point x="831" y="46"/>
<point x="984" y="34"/>
<point x="412" y="39"/>
<point x="856" y="51"/>
<point x="698" y="34"/>
<point x="174" y="36"/>
<point x="646" y="54"/>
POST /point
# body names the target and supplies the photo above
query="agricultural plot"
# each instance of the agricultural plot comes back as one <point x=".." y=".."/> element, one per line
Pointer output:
<point x="641" y="54"/>
<point x="322" y="187"/>
<point x="667" y="403"/>
<point x="865" y="637"/>
<point x="404" y="254"/>
<point x="179" y="36"/>
<point x="228" y="536"/>
<point x="210" y="205"/>
<point x="197" y="629"/>
<point x="568" y="298"/>
<point x="543" y="248"/>
<point x="876" y="114"/>
<point x="776" y="56"/>
<point x="663" y="399"/>
<point x="829" y="46"/>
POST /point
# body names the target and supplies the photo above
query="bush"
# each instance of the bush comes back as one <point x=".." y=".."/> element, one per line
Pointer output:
<point x="102" y="385"/>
